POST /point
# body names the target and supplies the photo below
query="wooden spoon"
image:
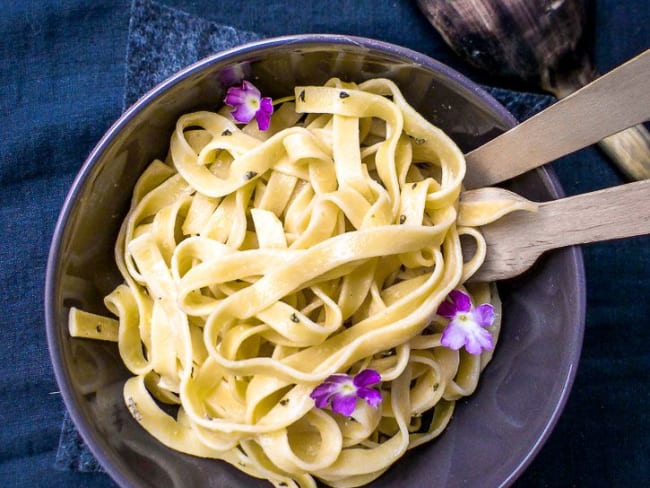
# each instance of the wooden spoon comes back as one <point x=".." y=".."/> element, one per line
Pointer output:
<point x="613" y="102"/>
<point x="515" y="241"/>
<point x="540" y="42"/>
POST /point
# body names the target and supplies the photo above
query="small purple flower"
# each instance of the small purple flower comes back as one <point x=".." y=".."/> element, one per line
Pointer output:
<point x="341" y="391"/>
<point x="248" y="103"/>
<point x="467" y="325"/>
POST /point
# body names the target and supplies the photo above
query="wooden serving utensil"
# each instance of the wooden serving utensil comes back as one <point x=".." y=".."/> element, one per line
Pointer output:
<point x="540" y="42"/>
<point x="515" y="241"/>
<point x="609" y="104"/>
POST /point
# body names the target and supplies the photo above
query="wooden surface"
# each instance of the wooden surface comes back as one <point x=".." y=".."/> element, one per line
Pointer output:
<point x="615" y="101"/>
<point x="515" y="241"/>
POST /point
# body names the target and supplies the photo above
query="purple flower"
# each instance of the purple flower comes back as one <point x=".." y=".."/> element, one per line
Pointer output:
<point x="248" y="103"/>
<point x="467" y="324"/>
<point x="341" y="391"/>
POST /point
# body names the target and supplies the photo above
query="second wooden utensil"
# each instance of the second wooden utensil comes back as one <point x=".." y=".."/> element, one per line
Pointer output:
<point x="515" y="241"/>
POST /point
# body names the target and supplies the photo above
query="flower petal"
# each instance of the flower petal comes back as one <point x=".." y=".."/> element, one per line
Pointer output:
<point x="370" y="395"/>
<point x="484" y="315"/>
<point x="266" y="105"/>
<point x="243" y="113"/>
<point x="461" y="300"/>
<point x="454" y="336"/>
<point x="478" y="341"/>
<point x="250" y="89"/>
<point x="447" y="310"/>
<point x="367" y="377"/>
<point x="263" y="119"/>
<point x="338" y="378"/>
<point x="344" y="404"/>
<point x="235" y="96"/>
<point x="323" y="393"/>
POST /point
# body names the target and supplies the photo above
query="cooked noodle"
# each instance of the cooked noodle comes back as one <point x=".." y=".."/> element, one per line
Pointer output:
<point x="257" y="264"/>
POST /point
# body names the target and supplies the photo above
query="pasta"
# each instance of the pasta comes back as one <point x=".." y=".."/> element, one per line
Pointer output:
<point x="257" y="264"/>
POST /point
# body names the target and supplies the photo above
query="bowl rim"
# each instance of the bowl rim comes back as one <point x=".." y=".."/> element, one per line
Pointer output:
<point x="96" y="444"/>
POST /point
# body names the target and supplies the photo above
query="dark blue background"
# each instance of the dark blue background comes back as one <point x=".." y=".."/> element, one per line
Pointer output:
<point x="62" y="84"/>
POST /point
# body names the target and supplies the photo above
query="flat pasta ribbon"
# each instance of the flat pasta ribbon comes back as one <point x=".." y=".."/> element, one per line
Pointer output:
<point x="257" y="265"/>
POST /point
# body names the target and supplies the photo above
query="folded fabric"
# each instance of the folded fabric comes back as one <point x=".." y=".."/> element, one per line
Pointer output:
<point x="161" y="41"/>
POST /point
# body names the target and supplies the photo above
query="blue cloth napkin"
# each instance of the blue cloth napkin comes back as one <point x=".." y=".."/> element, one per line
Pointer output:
<point x="161" y="41"/>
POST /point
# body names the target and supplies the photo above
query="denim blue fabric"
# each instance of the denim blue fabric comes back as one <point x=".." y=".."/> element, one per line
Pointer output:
<point x="67" y="69"/>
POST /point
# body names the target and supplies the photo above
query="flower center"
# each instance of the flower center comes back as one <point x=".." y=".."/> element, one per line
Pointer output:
<point x="254" y="103"/>
<point x="348" y="388"/>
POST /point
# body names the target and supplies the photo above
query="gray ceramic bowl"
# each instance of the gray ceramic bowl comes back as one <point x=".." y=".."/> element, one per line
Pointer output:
<point x="492" y="436"/>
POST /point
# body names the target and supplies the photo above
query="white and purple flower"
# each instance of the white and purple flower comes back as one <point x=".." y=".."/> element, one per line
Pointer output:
<point x="341" y="391"/>
<point x="467" y="324"/>
<point x="248" y="103"/>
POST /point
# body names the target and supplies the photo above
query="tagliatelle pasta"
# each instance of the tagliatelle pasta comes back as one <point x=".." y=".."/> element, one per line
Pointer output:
<point x="258" y="264"/>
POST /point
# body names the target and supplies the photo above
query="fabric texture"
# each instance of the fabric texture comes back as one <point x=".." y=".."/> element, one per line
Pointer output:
<point x="70" y="67"/>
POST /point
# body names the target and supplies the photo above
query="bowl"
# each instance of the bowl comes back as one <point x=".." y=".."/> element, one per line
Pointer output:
<point x="493" y="434"/>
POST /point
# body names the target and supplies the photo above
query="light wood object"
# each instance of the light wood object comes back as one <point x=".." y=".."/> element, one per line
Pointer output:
<point x="515" y="241"/>
<point x="613" y="102"/>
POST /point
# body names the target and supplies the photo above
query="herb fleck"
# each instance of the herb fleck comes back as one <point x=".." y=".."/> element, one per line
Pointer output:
<point x="436" y="386"/>
<point x="402" y="219"/>
<point x="344" y="94"/>
<point x="295" y="318"/>
<point x="302" y="96"/>
<point x="226" y="132"/>
<point x="133" y="408"/>
<point x="249" y="175"/>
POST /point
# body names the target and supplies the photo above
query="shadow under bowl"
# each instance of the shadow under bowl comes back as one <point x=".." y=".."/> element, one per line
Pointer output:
<point x="493" y="434"/>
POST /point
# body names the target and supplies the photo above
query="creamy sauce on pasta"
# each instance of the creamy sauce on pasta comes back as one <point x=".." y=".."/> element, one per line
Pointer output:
<point x="256" y="264"/>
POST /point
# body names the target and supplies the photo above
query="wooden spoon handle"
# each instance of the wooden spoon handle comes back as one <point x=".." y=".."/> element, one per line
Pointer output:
<point x="612" y="213"/>
<point x="515" y="241"/>
<point x="613" y="102"/>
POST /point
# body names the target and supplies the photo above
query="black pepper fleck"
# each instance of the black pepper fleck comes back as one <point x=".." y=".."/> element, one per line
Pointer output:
<point x="226" y="132"/>
<point x="284" y="402"/>
<point x="402" y="219"/>
<point x="436" y="386"/>
<point x="344" y="94"/>
<point x="98" y="327"/>
<point x="413" y="186"/>
<point x="295" y="318"/>
<point x="302" y="96"/>
<point x="249" y="175"/>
